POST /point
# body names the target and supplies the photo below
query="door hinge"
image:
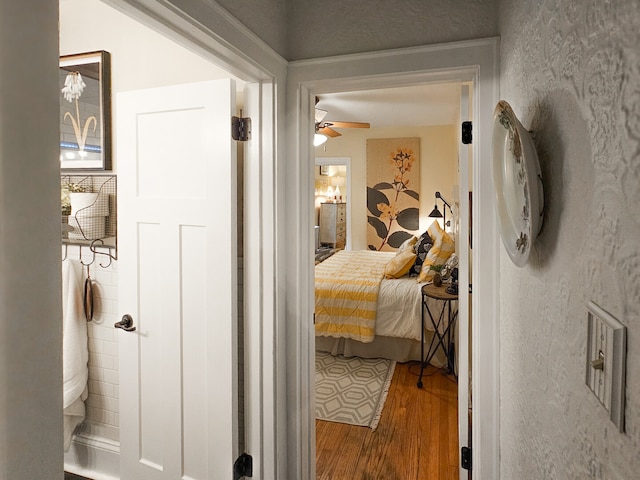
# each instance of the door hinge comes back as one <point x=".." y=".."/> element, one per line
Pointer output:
<point x="466" y="458"/>
<point x="466" y="133"/>
<point x="240" y="128"/>
<point x="243" y="466"/>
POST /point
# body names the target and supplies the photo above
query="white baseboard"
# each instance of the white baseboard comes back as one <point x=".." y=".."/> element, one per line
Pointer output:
<point x="94" y="457"/>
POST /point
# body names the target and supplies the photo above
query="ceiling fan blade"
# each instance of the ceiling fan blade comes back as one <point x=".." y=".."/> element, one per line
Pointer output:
<point x="349" y="124"/>
<point x="320" y="114"/>
<point x="329" y="132"/>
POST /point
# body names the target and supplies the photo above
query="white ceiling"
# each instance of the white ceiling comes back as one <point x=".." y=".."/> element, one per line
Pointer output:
<point x="421" y="105"/>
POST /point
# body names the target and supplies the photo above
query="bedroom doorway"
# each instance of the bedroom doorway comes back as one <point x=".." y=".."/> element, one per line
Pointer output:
<point x="473" y="62"/>
<point x="405" y="375"/>
<point x="332" y="177"/>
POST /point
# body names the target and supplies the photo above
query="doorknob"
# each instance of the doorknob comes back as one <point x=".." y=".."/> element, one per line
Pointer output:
<point x="126" y="323"/>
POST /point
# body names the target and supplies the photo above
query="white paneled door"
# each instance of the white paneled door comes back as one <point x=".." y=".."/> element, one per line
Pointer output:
<point x="176" y="165"/>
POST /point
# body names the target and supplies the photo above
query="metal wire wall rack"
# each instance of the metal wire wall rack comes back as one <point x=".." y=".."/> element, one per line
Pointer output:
<point x="89" y="213"/>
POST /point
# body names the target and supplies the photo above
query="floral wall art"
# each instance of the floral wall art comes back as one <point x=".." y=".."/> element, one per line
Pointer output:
<point x="85" y="111"/>
<point x="393" y="197"/>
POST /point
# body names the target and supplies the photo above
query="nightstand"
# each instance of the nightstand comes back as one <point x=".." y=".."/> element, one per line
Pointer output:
<point x="442" y="325"/>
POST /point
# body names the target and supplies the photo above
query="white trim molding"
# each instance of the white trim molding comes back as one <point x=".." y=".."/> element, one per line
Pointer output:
<point x="93" y="456"/>
<point x="469" y="61"/>
<point x="208" y="29"/>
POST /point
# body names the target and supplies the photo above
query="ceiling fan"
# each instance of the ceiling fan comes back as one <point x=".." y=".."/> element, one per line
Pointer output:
<point x="325" y="127"/>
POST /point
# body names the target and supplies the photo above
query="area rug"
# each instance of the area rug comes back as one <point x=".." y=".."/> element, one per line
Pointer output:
<point x="352" y="390"/>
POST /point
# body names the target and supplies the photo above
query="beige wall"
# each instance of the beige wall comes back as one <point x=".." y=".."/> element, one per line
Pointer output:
<point x="438" y="169"/>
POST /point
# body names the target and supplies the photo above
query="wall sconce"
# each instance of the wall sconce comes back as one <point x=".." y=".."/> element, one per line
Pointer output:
<point x="435" y="213"/>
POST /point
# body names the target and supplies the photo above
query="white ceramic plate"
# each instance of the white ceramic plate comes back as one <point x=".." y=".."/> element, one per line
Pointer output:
<point x="517" y="182"/>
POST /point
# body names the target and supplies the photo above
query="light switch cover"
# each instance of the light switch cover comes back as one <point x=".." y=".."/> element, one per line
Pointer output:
<point x="606" y="361"/>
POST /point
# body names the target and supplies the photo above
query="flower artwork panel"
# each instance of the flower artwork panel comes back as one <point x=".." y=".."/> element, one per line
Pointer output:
<point x="393" y="191"/>
<point x="85" y="111"/>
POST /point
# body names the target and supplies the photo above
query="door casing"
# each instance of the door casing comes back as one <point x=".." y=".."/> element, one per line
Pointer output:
<point x="218" y="36"/>
<point x="281" y="370"/>
<point x="472" y="61"/>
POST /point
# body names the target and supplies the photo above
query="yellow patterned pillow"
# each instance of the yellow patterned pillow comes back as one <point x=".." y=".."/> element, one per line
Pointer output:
<point x="400" y="265"/>
<point x="443" y="247"/>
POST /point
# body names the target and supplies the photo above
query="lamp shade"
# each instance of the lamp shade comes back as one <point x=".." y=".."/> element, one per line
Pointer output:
<point x="337" y="181"/>
<point x="319" y="139"/>
<point x="435" y="213"/>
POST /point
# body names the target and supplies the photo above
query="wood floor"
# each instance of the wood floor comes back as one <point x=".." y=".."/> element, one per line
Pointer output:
<point x="416" y="439"/>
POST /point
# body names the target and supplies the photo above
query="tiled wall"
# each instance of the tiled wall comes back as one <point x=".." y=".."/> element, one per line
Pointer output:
<point x="102" y="409"/>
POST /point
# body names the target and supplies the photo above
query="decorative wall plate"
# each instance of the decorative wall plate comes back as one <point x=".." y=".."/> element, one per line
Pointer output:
<point x="517" y="182"/>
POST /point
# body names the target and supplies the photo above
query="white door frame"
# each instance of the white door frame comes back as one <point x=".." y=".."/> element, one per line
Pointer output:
<point x="219" y="37"/>
<point x="474" y="61"/>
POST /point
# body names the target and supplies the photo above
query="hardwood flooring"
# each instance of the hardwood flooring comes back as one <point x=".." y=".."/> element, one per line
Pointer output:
<point x="416" y="439"/>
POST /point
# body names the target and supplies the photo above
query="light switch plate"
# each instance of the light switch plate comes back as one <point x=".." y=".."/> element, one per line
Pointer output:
<point x="607" y="342"/>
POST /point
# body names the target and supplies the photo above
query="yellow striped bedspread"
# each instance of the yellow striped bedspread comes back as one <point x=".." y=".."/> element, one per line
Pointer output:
<point x="347" y="285"/>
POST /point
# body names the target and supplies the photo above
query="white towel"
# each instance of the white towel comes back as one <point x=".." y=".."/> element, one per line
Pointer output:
<point x="75" y="353"/>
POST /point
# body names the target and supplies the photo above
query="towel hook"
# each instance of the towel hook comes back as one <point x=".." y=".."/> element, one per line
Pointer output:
<point x="93" y="247"/>
<point x="92" y="260"/>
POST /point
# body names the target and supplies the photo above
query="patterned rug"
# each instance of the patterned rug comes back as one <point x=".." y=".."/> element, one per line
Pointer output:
<point x="352" y="390"/>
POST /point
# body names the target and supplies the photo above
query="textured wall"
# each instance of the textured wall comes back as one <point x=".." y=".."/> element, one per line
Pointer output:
<point x="266" y="18"/>
<point x="303" y="29"/>
<point x="337" y="27"/>
<point x="571" y="71"/>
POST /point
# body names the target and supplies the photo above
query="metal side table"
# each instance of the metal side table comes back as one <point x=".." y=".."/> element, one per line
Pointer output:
<point x="440" y="339"/>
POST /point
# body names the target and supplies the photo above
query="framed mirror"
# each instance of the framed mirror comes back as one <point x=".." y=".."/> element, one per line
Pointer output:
<point x="85" y="111"/>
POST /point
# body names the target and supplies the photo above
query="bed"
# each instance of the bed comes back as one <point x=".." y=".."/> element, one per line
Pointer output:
<point x="361" y="313"/>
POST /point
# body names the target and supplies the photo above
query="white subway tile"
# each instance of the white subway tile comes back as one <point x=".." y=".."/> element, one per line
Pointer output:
<point x="99" y="415"/>
<point x="95" y="401"/>
<point x="96" y="373"/>
<point x="111" y="404"/>
<point x="110" y="376"/>
<point x="109" y="292"/>
<point x="97" y="387"/>
<point x="100" y="360"/>
<point x="105" y="277"/>
<point x="110" y="348"/>
<point x="101" y="332"/>
<point x="96" y="345"/>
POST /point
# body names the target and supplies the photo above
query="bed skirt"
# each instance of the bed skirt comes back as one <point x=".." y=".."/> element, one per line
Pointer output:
<point x="394" y="348"/>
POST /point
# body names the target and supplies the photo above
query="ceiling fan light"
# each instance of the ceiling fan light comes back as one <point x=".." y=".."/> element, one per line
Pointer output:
<point x="319" y="139"/>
